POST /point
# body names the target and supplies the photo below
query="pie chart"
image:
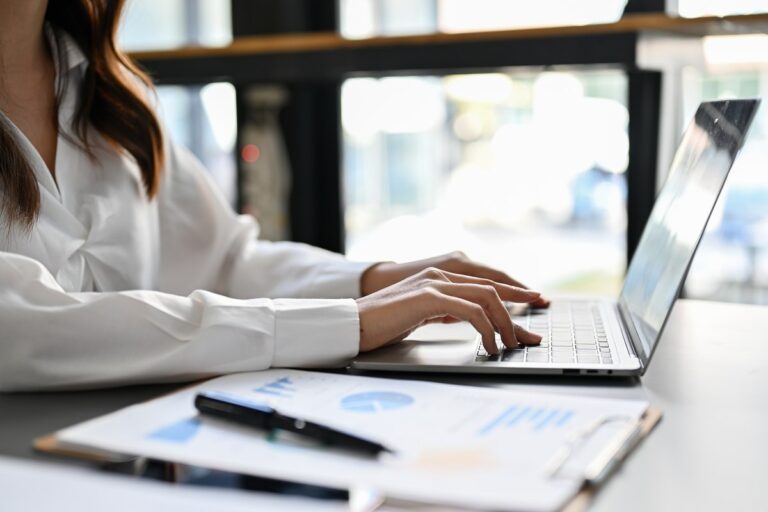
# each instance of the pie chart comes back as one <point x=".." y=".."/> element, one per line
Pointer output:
<point x="376" y="401"/>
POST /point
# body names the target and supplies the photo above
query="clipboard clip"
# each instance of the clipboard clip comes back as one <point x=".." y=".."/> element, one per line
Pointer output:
<point x="606" y="461"/>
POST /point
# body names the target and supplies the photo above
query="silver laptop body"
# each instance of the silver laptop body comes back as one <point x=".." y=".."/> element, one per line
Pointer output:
<point x="585" y="336"/>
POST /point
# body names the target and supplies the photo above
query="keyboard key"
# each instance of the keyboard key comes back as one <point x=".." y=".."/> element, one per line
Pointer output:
<point x="562" y="357"/>
<point x="537" y="358"/>
<point x="514" y="356"/>
<point x="590" y="359"/>
<point x="561" y="343"/>
<point x="607" y="360"/>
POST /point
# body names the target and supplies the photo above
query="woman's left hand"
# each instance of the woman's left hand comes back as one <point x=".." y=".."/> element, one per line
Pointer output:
<point x="385" y="274"/>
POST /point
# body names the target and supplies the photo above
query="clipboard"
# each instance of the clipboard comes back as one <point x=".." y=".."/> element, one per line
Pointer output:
<point x="646" y="424"/>
<point x="612" y="459"/>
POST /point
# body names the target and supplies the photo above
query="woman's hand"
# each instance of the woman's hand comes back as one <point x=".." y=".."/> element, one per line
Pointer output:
<point x="392" y="313"/>
<point x="386" y="274"/>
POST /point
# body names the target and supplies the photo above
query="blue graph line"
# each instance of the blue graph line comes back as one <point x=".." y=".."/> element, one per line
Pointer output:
<point x="497" y="421"/>
<point x="545" y="421"/>
<point x="520" y="415"/>
<point x="179" y="432"/>
<point x="281" y="387"/>
<point x="564" y="418"/>
<point x="535" y="418"/>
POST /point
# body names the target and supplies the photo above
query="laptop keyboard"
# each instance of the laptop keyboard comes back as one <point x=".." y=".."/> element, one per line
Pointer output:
<point x="572" y="332"/>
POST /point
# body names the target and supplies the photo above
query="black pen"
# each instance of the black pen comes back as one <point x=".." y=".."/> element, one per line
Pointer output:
<point x="264" y="417"/>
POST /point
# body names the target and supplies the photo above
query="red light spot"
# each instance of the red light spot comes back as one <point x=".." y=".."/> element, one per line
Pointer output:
<point x="250" y="153"/>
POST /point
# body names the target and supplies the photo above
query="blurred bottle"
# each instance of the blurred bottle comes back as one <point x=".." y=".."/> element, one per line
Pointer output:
<point x="265" y="185"/>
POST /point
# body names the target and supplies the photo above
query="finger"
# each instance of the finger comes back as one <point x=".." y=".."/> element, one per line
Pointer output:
<point x="485" y="296"/>
<point x="473" y="268"/>
<point x="472" y="313"/>
<point x="527" y="337"/>
<point x="506" y="292"/>
<point x="480" y="270"/>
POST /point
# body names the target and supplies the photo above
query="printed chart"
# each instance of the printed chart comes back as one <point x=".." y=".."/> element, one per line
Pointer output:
<point x="531" y="418"/>
<point x="375" y="401"/>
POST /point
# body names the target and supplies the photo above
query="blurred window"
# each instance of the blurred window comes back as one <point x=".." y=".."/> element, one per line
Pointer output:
<point x="202" y="118"/>
<point x="151" y="25"/>
<point x="517" y="169"/>
<point x="694" y="8"/>
<point x="367" y="18"/>
<point x="524" y="171"/>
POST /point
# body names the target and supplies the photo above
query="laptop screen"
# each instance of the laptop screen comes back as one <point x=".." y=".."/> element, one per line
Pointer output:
<point x="679" y="217"/>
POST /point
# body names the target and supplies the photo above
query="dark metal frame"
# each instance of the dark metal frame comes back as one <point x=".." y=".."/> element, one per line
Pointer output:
<point x="311" y="121"/>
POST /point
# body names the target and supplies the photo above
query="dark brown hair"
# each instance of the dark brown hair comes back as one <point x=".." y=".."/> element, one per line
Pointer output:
<point x="109" y="101"/>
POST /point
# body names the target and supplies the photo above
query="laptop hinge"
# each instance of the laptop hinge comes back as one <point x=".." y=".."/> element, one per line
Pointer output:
<point x="626" y="335"/>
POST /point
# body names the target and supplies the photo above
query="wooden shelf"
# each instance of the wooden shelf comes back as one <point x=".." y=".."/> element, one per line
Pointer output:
<point x="324" y="42"/>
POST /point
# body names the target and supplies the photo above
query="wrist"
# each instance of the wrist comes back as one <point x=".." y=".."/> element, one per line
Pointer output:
<point x="374" y="279"/>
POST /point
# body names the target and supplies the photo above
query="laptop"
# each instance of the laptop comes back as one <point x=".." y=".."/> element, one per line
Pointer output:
<point x="600" y="336"/>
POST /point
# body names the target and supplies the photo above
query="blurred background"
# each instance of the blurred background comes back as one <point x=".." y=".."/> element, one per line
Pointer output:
<point x="523" y="169"/>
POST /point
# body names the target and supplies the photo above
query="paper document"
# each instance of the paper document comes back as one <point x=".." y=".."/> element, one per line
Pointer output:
<point x="34" y="486"/>
<point x="455" y="445"/>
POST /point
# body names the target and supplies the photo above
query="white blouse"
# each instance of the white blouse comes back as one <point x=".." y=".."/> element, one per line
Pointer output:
<point x="110" y="288"/>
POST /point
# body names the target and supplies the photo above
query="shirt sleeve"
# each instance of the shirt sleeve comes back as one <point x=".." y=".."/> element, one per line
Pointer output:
<point x="205" y="245"/>
<point x="51" y="339"/>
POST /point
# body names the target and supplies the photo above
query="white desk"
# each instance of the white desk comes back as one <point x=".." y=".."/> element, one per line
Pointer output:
<point x="710" y="451"/>
<point x="709" y="376"/>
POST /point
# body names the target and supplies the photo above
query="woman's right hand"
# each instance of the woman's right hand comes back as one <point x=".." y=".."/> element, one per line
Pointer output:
<point x="391" y="314"/>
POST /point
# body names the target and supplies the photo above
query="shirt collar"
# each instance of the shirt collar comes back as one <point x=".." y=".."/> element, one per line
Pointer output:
<point x="62" y="44"/>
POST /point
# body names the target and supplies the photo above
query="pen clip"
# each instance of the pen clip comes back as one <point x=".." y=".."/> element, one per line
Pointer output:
<point x="602" y="465"/>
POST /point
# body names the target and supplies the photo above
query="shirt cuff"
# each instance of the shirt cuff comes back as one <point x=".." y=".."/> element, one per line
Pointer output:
<point x="315" y="332"/>
<point x="340" y="279"/>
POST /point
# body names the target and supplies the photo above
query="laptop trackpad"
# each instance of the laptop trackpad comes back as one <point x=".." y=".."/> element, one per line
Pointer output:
<point x="430" y="345"/>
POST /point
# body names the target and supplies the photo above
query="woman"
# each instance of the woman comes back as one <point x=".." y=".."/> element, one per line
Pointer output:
<point x="120" y="263"/>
